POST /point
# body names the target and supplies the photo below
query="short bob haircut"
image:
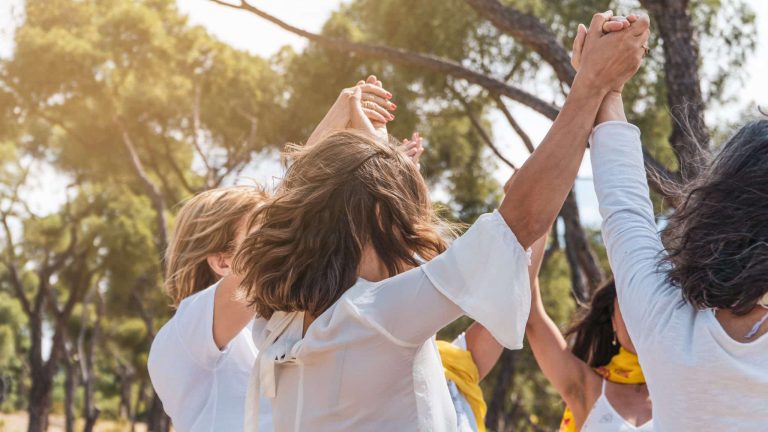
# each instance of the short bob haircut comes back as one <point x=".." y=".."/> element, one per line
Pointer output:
<point x="339" y="196"/>
<point x="717" y="239"/>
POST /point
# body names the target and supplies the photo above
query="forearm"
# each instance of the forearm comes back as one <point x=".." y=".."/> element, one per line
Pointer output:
<point x="335" y="119"/>
<point x="230" y="313"/>
<point x="612" y="109"/>
<point x="539" y="188"/>
<point x="485" y="349"/>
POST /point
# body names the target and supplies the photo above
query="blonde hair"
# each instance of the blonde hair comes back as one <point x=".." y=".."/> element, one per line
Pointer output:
<point x="207" y="224"/>
<point x="338" y="196"/>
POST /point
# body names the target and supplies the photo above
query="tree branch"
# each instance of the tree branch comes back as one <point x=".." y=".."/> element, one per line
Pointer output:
<point x="13" y="272"/>
<point x="158" y="202"/>
<point x="481" y="130"/>
<point x="409" y="58"/>
<point x="512" y="122"/>
<point x="530" y="31"/>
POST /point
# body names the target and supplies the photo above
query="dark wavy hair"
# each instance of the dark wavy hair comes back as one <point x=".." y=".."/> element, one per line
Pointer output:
<point x="592" y="329"/>
<point x="338" y="196"/>
<point x="717" y="239"/>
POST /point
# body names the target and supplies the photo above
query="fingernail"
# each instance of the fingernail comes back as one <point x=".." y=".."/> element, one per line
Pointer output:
<point x="394" y="106"/>
<point x="393" y="116"/>
<point x="389" y="95"/>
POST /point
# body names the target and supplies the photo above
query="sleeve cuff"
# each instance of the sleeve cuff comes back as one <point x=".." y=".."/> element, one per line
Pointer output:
<point x="599" y="132"/>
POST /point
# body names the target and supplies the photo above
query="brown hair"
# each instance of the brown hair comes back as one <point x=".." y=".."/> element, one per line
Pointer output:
<point x="207" y="224"/>
<point x="592" y="330"/>
<point x="717" y="239"/>
<point x="338" y="196"/>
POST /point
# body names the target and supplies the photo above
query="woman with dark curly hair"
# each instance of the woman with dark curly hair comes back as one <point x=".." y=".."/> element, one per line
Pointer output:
<point x="697" y="309"/>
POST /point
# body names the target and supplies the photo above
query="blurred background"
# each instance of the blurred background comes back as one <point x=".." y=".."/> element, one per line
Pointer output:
<point x="113" y="112"/>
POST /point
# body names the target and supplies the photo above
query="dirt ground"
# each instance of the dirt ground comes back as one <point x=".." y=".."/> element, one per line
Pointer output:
<point x="17" y="422"/>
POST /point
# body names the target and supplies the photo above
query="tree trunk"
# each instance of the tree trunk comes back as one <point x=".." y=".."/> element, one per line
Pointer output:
<point x="70" y="384"/>
<point x="690" y="136"/>
<point x="39" y="404"/>
<point x="495" y="418"/>
<point x="157" y="420"/>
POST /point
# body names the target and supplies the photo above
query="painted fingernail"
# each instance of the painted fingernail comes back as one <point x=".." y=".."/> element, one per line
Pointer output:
<point x="389" y="95"/>
<point x="394" y="106"/>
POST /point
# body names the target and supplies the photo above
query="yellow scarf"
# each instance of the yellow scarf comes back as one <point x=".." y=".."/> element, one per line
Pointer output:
<point x="461" y="369"/>
<point x="624" y="368"/>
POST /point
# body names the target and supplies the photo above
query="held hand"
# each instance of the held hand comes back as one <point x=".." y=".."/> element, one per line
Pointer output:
<point x="358" y="119"/>
<point x="614" y="24"/>
<point x="376" y="102"/>
<point x="413" y="148"/>
<point x="607" y="61"/>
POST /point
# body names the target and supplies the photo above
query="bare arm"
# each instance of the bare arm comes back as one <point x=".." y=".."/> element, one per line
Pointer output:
<point x="568" y="374"/>
<point x="484" y="348"/>
<point x="375" y="102"/>
<point x="539" y="188"/>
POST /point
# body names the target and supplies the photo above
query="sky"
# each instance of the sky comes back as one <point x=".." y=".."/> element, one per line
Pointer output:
<point x="247" y="32"/>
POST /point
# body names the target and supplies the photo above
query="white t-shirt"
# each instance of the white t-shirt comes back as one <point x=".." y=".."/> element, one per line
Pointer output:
<point x="202" y="388"/>
<point x="369" y="363"/>
<point x="700" y="379"/>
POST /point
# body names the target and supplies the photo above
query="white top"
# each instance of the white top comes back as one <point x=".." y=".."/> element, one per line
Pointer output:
<point x="603" y="417"/>
<point x="202" y="388"/>
<point x="699" y="378"/>
<point x="369" y="363"/>
<point x="465" y="418"/>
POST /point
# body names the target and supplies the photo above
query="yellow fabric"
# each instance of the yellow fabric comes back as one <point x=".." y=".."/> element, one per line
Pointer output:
<point x="461" y="369"/>
<point x="624" y="368"/>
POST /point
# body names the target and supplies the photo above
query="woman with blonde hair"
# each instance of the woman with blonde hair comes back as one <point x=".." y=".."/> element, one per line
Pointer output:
<point x="345" y="312"/>
<point x="200" y="360"/>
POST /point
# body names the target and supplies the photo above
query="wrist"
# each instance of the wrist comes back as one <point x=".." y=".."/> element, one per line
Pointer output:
<point x="589" y="82"/>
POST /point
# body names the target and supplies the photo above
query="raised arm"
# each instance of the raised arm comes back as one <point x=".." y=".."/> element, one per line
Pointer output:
<point x="567" y="373"/>
<point x="629" y="227"/>
<point x="539" y="188"/>
<point x="374" y="102"/>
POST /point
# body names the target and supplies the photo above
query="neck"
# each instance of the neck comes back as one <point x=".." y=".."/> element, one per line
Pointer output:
<point x="371" y="267"/>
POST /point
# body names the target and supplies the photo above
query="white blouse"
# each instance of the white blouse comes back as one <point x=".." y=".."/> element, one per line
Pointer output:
<point x="700" y="379"/>
<point x="202" y="388"/>
<point x="369" y="363"/>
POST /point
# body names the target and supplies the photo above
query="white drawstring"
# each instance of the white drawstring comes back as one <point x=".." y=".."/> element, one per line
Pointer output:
<point x="276" y="348"/>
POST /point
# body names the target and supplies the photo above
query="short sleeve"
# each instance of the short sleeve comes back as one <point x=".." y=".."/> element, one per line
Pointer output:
<point x="483" y="274"/>
<point x="193" y="325"/>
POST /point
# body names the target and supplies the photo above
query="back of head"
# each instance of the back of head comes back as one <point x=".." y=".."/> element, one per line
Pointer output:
<point x="207" y="224"/>
<point x="337" y="197"/>
<point x="717" y="240"/>
<point x="592" y="330"/>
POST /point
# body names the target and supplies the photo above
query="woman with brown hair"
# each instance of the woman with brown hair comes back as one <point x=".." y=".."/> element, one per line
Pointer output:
<point x="200" y="360"/>
<point x="346" y="314"/>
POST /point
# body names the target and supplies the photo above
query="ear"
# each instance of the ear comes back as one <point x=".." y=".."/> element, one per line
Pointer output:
<point x="220" y="264"/>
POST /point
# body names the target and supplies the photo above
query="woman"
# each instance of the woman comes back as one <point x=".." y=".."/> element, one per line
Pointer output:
<point x="200" y="360"/>
<point x="345" y="315"/>
<point x="197" y="364"/>
<point x="695" y="309"/>
<point x="600" y="378"/>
